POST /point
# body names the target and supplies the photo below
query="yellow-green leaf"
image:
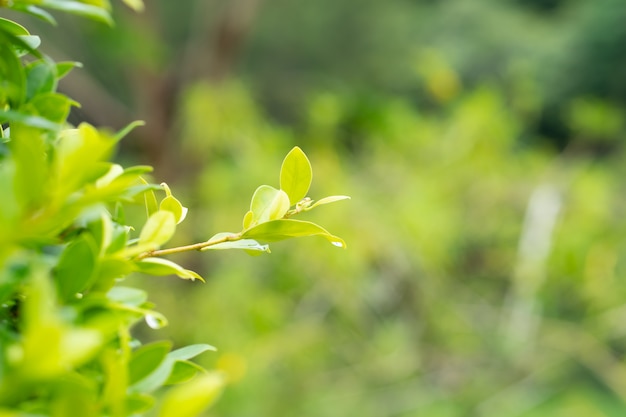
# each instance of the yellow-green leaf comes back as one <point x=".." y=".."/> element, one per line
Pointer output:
<point x="268" y="203"/>
<point x="159" y="228"/>
<point x="282" y="229"/>
<point x="296" y="175"/>
<point x="192" y="398"/>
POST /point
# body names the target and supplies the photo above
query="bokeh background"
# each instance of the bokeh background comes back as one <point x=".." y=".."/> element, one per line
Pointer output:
<point x="482" y="143"/>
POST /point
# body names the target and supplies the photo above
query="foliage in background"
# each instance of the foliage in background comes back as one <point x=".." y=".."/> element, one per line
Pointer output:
<point x="483" y="277"/>
<point x="66" y="346"/>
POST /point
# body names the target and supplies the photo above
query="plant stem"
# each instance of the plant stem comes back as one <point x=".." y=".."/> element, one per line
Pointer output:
<point x="187" y="248"/>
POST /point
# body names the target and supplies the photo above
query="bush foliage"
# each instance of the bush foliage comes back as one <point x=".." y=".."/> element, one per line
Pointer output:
<point x="66" y="346"/>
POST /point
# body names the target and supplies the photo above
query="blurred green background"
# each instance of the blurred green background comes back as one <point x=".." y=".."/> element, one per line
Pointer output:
<point x="482" y="143"/>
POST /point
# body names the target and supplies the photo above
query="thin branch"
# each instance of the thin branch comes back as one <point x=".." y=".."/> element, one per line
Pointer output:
<point x="188" y="248"/>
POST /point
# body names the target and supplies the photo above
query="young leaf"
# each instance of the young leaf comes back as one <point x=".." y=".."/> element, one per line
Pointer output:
<point x="160" y="266"/>
<point x="246" y="244"/>
<point x="287" y="228"/>
<point x="128" y="128"/>
<point x="327" y="200"/>
<point x="192" y="398"/>
<point x="296" y="175"/>
<point x="171" y="204"/>
<point x="136" y="5"/>
<point x="248" y="219"/>
<point x="150" y="200"/>
<point x="268" y="203"/>
<point x="63" y="68"/>
<point x="159" y="228"/>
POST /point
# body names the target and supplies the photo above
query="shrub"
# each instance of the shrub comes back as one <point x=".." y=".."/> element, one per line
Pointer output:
<point x="66" y="245"/>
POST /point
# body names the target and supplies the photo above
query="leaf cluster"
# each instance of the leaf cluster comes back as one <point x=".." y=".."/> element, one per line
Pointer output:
<point x="66" y="346"/>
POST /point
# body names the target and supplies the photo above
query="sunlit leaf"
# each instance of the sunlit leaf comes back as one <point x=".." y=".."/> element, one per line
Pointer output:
<point x="246" y="244"/>
<point x="268" y="203"/>
<point x="79" y="8"/>
<point x="192" y="398"/>
<point x="276" y="230"/>
<point x="127" y="296"/>
<point x="296" y="175"/>
<point x="327" y="200"/>
<point x="159" y="228"/>
<point x="136" y="5"/>
<point x="160" y="266"/>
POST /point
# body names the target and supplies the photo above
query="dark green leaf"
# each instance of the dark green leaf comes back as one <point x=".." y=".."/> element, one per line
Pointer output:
<point x="75" y="270"/>
<point x="40" y="78"/>
<point x="146" y="360"/>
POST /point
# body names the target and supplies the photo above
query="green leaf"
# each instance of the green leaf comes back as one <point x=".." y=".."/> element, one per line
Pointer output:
<point x="127" y="296"/>
<point x="138" y="404"/>
<point x="246" y="244"/>
<point x="12" y="75"/>
<point x="268" y="203"/>
<point x="192" y="398"/>
<point x="136" y="5"/>
<point x="111" y="269"/>
<point x="77" y="152"/>
<point x="40" y="78"/>
<point x="161" y="267"/>
<point x="146" y="360"/>
<point x="63" y="68"/>
<point x="53" y="106"/>
<point x="28" y="120"/>
<point x="296" y="175"/>
<point x="75" y="270"/>
<point x="327" y="200"/>
<point x="162" y="373"/>
<point x="12" y="27"/>
<point x="94" y="12"/>
<point x="159" y="228"/>
<point x="191" y="351"/>
<point x="171" y="204"/>
<point x="183" y="371"/>
<point x="35" y="11"/>
<point x="287" y="228"/>
<point x="150" y="200"/>
<point x="32" y="169"/>
<point x="129" y="128"/>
